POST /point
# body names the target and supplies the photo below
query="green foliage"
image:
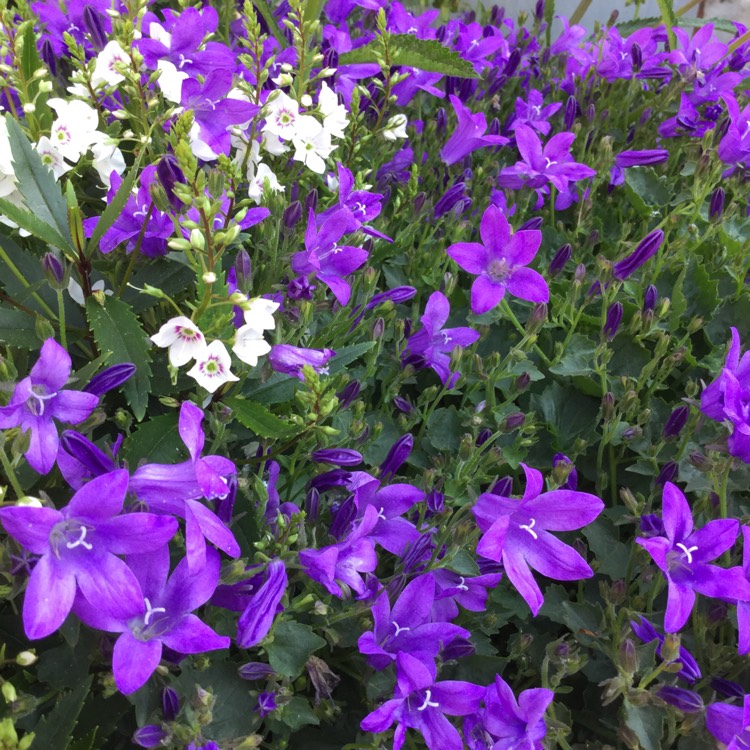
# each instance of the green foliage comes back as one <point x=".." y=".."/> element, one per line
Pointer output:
<point x="259" y="419"/>
<point x="54" y="730"/>
<point x="292" y="645"/>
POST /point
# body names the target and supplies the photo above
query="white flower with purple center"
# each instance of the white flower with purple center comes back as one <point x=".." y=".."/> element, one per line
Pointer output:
<point x="105" y="72"/>
<point x="212" y="367"/>
<point x="183" y="338"/>
<point x="249" y="344"/>
<point x="283" y="115"/>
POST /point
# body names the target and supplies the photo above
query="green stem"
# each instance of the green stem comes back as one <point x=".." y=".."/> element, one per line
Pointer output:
<point x="14" y="270"/>
<point x="11" y="474"/>
<point x="61" y="319"/>
<point x="517" y="325"/>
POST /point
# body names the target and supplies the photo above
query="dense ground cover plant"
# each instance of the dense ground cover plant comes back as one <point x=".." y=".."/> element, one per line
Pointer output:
<point x="372" y="376"/>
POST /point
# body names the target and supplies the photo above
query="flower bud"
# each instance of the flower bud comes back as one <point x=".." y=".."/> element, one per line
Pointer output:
<point x="686" y="700"/>
<point x="533" y="223"/>
<point x="435" y="502"/>
<point x="628" y="661"/>
<point x="93" y="22"/>
<point x="347" y="396"/>
<point x="110" y="378"/>
<point x="716" y="207"/>
<point x="667" y="474"/>
<point x="311" y="202"/>
<point x="312" y="505"/>
<point x="571" y="112"/>
<point x="514" y="420"/>
<point x="169" y="174"/>
<point x="700" y="461"/>
<point x="676" y="421"/>
<point x="441" y="121"/>
<point x="612" y="323"/>
<point x="292" y="214"/>
<point x="646" y="249"/>
<point x="403" y="405"/>
<point x="562" y="256"/>
<point x="397" y="455"/>
<point x="170" y="704"/>
<point x="650" y="298"/>
<point x="54" y="271"/>
<point x="337" y="456"/>
<point x="26" y="658"/>
<point x="47" y="53"/>
<point x="503" y="487"/>
<point x="150" y="735"/>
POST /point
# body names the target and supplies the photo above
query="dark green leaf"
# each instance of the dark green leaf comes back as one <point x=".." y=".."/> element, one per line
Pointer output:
<point x="54" y="730"/>
<point x="646" y="722"/>
<point x="278" y="389"/>
<point x="33" y="224"/>
<point x="117" y="330"/>
<point x="348" y="354"/>
<point x="567" y="412"/>
<point x="298" y="713"/>
<point x="610" y="553"/>
<point x="37" y="185"/>
<point x="66" y="666"/>
<point x="266" y="11"/>
<point x="646" y="190"/>
<point x="17" y="329"/>
<point x="293" y="643"/>
<point x="670" y="20"/>
<point x="257" y="418"/>
<point x="85" y="743"/>
<point x="410" y="51"/>
<point x="578" y="358"/>
<point x="444" y="430"/>
<point x="158" y="440"/>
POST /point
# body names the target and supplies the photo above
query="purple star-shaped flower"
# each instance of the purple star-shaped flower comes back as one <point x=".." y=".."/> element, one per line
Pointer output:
<point x="499" y="263"/>
<point x="162" y="616"/>
<point x="432" y="345"/>
<point x="683" y="555"/>
<point x="516" y="533"/>
<point x="407" y="627"/>
<point x="421" y="703"/>
<point x="469" y="134"/>
<point x="39" y="399"/>
<point x="729" y="724"/>
<point x="291" y="359"/>
<point x="79" y="547"/>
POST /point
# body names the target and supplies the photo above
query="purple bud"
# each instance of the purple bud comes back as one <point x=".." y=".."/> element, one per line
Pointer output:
<point x="503" y="487"/>
<point x="641" y="158"/>
<point x="330" y="479"/>
<point x="93" y="22"/>
<point x="562" y="256"/>
<point x="343" y="515"/>
<point x="523" y="381"/>
<point x="650" y="298"/>
<point x="337" y="456"/>
<point x="614" y="318"/>
<point x="243" y="269"/>
<point x="571" y="112"/>
<point x="378" y="329"/>
<point x="403" y="405"/>
<point x="255" y="670"/>
<point x="539" y="10"/>
<point x="494" y="127"/>
<point x="668" y="473"/>
<point x="699" y="460"/>
<point x="636" y="53"/>
<point x="435" y="502"/>
<point x="591" y="112"/>
<point x="110" y="378"/>
<point x="348" y="394"/>
<point x="483" y="437"/>
<point x="311" y="202"/>
<point x="292" y="214"/>
<point x="514" y="420"/>
<point x="686" y="700"/>
<point x="47" y="53"/>
<point x="458" y="648"/>
<point x="300" y="288"/>
<point x="514" y="59"/>
<point x="676" y="421"/>
<point x="727" y="688"/>
<point x="312" y="504"/>
<point x="419" y="200"/>
<point x="224" y="506"/>
<point x="716" y="207"/>
<point x="399" y="452"/>
<point x="169" y="174"/>
<point x="441" y="121"/>
<point x="53" y="270"/>
<point x="449" y="199"/>
<point x="535" y="223"/>
<point x="419" y="553"/>
<point x="646" y="249"/>
<point x="170" y="704"/>
<point x="571" y="483"/>
<point x="397" y="295"/>
<point x="580" y="273"/>
<point x="149" y="736"/>
<point x="652" y="525"/>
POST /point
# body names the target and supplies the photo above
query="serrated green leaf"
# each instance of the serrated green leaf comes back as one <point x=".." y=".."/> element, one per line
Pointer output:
<point x="646" y="722"/>
<point x="278" y="389"/>
<point x="29" y="221"/>
<point x="85" y="743"/>
<point x="347" y="354"/>
<point x="17" y="328"/>
<point x="157" y="440"/>
<point x="669" y="19"/>
<point x="54" y="729"/>
<point x="116" y="329"/>
<point x="293" y="643"/>
<point x="257" y="418"/>
<point x="37" y="185"/>
<point x="411" y="52"/>
<point x="266" y="12"/>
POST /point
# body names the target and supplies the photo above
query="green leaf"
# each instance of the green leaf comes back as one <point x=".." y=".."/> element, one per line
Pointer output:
<point x="347" y="354"/>
<point x="17" y="329"/>
<point x="114" y="208"/>
<point x="670" y="20"/>
<point x="37" y="185"/>
<point x="85" y="743"/>
<point x="33" y="224"/>
<point x="578" y="358"/>
<point x="444" y="430"/>
<point x="158" y="440"/>
<point x="646" y="190"/>
<point x="116" y="329"/>
<point x="611" y="554"/>
<point x="313" y="9"/>
<point x="54" y="730"/>
<point x="292" y="645"/>
<point x="409" y="51"/>
<point x="266" y="11"/>
<point x="298" y="713"/>
<point x="646" y="722"/>
<point x="567" y="413"/>
<point x="257" y="418"/>
<point x="278" y="389"/>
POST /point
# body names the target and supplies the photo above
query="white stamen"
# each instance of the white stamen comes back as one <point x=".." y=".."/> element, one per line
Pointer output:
<point x="462" y="586"/>
<point x="428" y="702"/>
<point x="381" y="514"/>
<point x="549" y="162"/>
<point x="687" y="551"/>
<point x="398" y="629"/>
<point x="81" y="541"/>
<point x="530" y="528"/>
<point x="183" y="61"/>
<point x="150" y="611"/>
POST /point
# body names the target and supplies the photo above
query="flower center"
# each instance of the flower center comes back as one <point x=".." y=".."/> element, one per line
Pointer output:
<point x="150" y="611"/>
<point x="499" y="270"/>
<point x="398" y="629"/>
<point x="427" y="702"/>
<point x="462" y="586"/>
<point x="188" y="334"/>
<point x="530" y="528"/>
<point x="70" y="535"/>
<point x="687" y="550"/>
<point x="212" y="367"/>
<point x="35" y="401"/>
<point x="184" y="61"/>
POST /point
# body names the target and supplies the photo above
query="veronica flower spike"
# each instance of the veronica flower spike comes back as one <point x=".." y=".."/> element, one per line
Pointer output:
<point x="499" y="263"/>
<point x="683" y="554"/>
<point x="516" y="533"/>
<point x="39" y="399"/>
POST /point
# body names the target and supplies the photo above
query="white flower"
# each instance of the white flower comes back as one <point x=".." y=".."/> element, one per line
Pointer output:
<point x="249" y="344"/>
<point x="73" y="130"/>
<point x="107" y="158"/>
<point x="395" y="128"/>
<point x="263" y="176"/>
<point x="157" y="31"/>
<point x="76" y="292"/>
<point x="211" y="368"/>
<point x="51" y="157"/>
<point x="170" y="80"/>
<point x="273" y="144"/>
<point x="7" y="173"/>
<point x="200" y="148"/>
<point x="259" y="313"/>
<point x="283" y="113"/>
<point x="334" y="114"/>
<point x="184" y="339"/>
<point x="312" y="143"/>
<point x="105" y="72"/>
